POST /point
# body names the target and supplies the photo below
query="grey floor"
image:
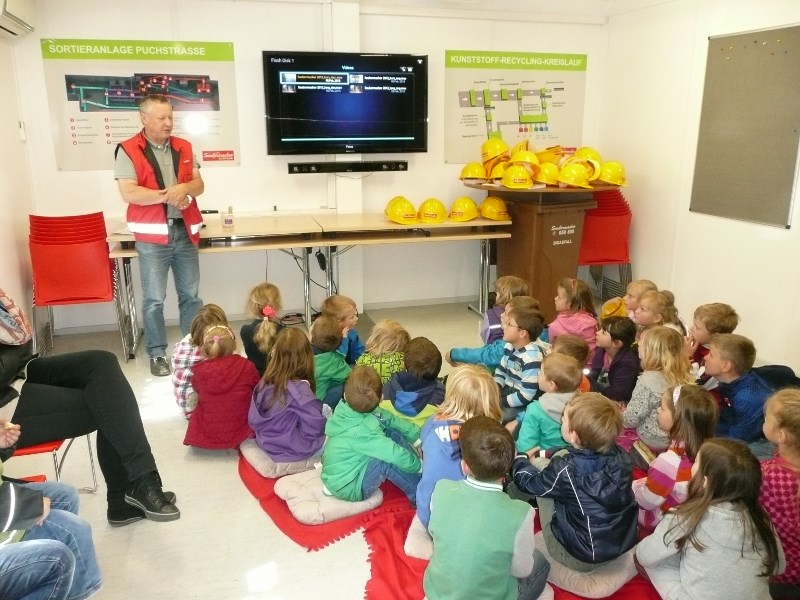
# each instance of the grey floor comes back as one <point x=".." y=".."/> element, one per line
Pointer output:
<point x="224" y="547"/>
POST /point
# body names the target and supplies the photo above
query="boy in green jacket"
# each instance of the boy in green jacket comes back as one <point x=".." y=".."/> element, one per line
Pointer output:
<point x="368" y="445"/>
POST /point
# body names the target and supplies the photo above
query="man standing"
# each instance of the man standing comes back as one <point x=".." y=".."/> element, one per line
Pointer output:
<point x="158" y="176"/>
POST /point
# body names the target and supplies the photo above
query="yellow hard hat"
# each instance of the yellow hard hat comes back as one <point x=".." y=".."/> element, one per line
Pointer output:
<point x="588" y="152"/>
<point x="613" y="172"/>
<point x="592" y="166"/>
<point x="550" y="155"/>
<point x="548" y="174"/>
<point x="523" y="145"/>
<point x="494" y="208"/>
<point x="473" y="170"/>
<point x="517" y="177"/>
<point x="463" y="209"/>
<point x="400" y="210"/>
<point x="492" y="148"/>
<point x="499" y="169"/>
<point x="574" y="175"/>
<point x="432" y="211"/>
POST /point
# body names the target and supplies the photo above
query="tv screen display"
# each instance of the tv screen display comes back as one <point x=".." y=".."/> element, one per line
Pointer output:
<point x="341" y="103"/>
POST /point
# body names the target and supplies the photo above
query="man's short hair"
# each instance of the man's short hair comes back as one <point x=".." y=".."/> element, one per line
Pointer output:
<point x="326" y="333"/>
<point x="737" y="349"/>
<point x="596" y="420"/>
<point x="150" y="99"/>
<point x="717" y="317"/>
<point x="422" y="358"/>
<point x="563" y="370"/>
<point x="363" y="389"/>
<point x="487" y="447"/>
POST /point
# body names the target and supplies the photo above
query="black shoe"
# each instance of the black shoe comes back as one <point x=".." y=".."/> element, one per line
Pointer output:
<point x="145" y="494"/>
<point x="159" y="366"/>
<point x="126" y="514"/>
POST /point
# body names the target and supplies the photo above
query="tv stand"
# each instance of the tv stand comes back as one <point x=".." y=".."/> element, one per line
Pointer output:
<point x="355" y="166"/>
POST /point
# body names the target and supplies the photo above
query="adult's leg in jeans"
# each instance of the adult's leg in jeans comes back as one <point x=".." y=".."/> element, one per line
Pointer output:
<point x="378" y="471"/>
<point x="69" y="395"/>
<point x="62" y="496"/>
<point x="154" y="262"/>
<point x="77" y="535"/>
<point x="186" y="272"/>
<point x="36" y="570"/>
<point x="531" y="587"/>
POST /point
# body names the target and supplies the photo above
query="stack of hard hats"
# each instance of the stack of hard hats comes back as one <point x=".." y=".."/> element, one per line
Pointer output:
<point x="551" y="166"/>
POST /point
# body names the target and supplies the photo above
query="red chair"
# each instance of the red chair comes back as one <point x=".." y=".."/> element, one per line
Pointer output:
<point x="58" y="463"/>
<point x="605" y="238"/>
<point x="70" y="263"/>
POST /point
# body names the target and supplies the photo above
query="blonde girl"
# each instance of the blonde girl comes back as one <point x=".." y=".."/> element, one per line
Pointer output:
<point x="344" y="310"/>
<point x="657" y="308"/>
<point x="575" y="313"/>
<point x="719" y="544"/>
<point x="664" y="364"/>
<point x="189" y="351"/>
<point x="384" y="349"/>
<point x="634" y="292"/>
<point x="780" y="488"/>
<point x="263" y="305"/>
<point x="505" y="288"/>
<point x="688" y="414"/>
<point x="285" y="416"/>
<point x="224" y="383"/>
<point x="471" y="391"/>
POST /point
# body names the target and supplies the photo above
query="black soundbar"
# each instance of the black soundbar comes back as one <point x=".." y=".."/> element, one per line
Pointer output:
<point x="356" y="166"/>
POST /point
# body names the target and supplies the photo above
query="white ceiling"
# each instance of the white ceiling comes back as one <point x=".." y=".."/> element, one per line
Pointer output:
<point x="592" y="8"/>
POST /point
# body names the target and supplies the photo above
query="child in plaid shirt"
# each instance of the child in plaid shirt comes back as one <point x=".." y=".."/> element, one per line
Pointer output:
<point x="189" y="351"/>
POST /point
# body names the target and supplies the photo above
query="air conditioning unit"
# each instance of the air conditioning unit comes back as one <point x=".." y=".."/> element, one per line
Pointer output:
<point x="16" y="17"/>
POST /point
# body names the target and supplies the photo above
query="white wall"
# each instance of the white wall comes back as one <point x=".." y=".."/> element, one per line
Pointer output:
<point x="651" y="113"/>
<point x="15" y="193"/>
<point x="375" y="275"/>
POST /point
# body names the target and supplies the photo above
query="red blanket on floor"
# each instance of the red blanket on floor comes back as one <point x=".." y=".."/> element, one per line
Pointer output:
<point x="394" y="576"/>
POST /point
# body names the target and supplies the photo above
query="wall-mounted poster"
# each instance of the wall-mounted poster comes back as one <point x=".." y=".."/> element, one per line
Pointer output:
<point x="513" y="95"/>
<point x="94" y="88"/>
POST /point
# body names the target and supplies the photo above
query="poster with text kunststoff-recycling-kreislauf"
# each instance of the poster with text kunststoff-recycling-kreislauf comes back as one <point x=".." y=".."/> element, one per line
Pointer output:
<point x="94" y="88"/>
<point x="512" y="95"/>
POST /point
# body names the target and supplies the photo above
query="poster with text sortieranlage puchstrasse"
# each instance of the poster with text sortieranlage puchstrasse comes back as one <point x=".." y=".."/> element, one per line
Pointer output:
<point x="94" y="88"/>
<point x="512" y="95"/>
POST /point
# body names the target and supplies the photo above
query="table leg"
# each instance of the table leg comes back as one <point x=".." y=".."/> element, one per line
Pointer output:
<point x="483" y="277"/>
<point x="328" y="270"/>
<point x="307" y="287"/>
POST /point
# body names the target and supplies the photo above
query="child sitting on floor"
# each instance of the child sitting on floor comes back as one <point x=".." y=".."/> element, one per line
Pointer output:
<point x="491" y="352"/>
<point x="586" y="504"/>
<point x="540" y="428"/>
<point x="780" y="485"/>
<point x="471" y="392"/>
<point x="285" y="416"/>
<point x="664" y="365"/>
<point x="688" y="414"/>
<point x="615" y="367"/>
<point x="385" y="347"/>
<point x="730" y="361"/>
<point x="415" y="394"/>
<point x="719" y="544"/>
<point x="263" y="305"/>
<point x="482" y="539"/>
<point x="708" y="320"/>
<point x="344" y="310"/>
<point x="189" y="351"/>
<point x="633" y="294"/>
<point x="368" y="445"/>
<point x="224" y="384"/>
<point x="575" y="312"/>
<point x="330" y="368"/>
<point x="577" y="348"/>
<point x="518" y="372"/>
<point x="656" y="308"/>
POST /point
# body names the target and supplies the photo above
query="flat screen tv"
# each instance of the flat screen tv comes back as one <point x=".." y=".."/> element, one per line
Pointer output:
<point x="342" y="103"/>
